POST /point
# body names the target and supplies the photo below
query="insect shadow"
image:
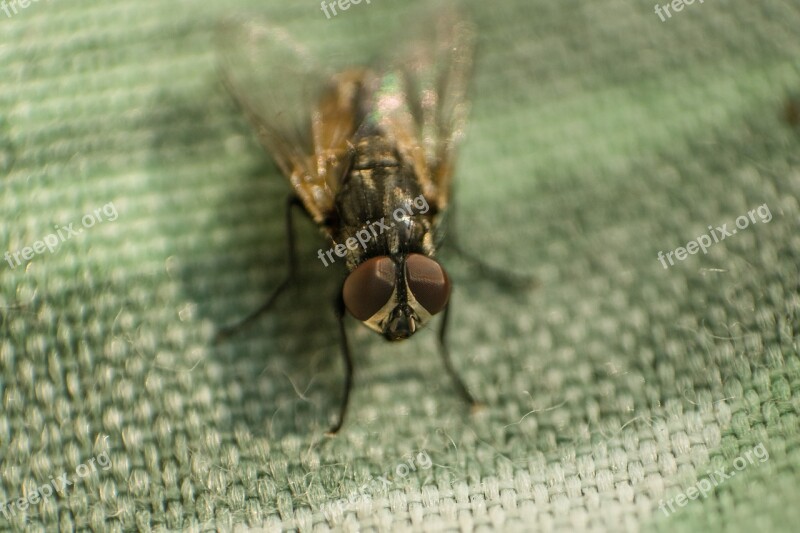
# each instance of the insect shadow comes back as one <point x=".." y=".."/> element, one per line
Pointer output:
<point x="274" y="360"/>
<point x="791" y="110"/>
<point x="7" y="150"/>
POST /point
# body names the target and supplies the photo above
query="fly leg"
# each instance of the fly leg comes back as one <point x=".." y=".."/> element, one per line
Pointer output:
<point x="226" y="331"/>
<point x="448" y="364"/>
<point x="348" y="365"/>
<point x="500" y="276"/>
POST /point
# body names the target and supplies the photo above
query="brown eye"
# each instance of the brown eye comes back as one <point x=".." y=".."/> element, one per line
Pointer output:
<point x="428" y="282"/>
<point x="368" y="287"/>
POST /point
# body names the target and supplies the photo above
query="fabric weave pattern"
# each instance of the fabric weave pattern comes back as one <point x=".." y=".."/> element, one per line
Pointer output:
<point x="599" y="136"/>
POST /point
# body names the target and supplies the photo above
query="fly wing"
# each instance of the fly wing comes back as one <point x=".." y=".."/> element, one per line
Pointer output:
<point x="436" y="69"/>
<point x="303" y="116"/>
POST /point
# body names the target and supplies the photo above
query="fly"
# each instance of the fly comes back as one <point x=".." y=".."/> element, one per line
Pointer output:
<point x="358" y="144"/>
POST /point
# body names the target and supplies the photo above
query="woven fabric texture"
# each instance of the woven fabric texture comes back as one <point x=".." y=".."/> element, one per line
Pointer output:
<point x="616" y="391"/>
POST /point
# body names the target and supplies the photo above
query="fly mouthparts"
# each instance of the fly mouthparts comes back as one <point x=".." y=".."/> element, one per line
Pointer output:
<point x="400" y="326"/>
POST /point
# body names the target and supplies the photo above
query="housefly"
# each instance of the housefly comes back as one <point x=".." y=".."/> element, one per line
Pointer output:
<point x="358" y="143"/>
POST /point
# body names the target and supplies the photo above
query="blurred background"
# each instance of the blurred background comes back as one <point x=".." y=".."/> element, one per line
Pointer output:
<point x="600" y="135"/>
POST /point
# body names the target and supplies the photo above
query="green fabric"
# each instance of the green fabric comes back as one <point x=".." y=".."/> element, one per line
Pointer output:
<point x="599" y="136"/>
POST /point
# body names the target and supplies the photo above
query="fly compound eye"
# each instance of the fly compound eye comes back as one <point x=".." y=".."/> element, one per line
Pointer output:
<point x="428" y="282"/>
<point x="368" y="287"/>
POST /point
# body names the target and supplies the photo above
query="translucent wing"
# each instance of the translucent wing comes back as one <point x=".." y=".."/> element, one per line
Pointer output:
<point x="306" y="112"/>
<point x="302" y="114"/>
<point x="436" y="69"/>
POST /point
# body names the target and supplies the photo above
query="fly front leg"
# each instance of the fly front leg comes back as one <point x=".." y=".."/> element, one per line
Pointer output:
<point x="348" y="365"/>
<point x="448" y="364"/>
<point x="498" y="275"/>
<point x="227" y="331"/>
